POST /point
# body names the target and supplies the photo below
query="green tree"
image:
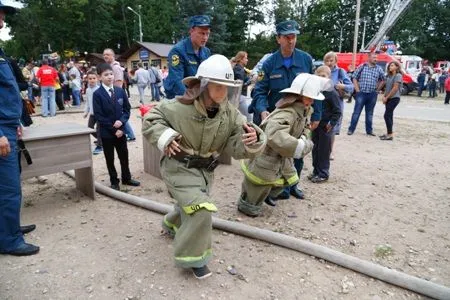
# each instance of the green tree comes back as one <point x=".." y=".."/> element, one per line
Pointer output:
<point x="424" y="30"/>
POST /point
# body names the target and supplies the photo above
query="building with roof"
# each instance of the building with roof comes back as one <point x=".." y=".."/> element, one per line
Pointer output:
<point x="97" y="58"/>
<point x="147" y="53"/>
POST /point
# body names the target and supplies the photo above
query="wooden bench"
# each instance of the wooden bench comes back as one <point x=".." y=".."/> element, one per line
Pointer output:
<point x="60" y="147"/>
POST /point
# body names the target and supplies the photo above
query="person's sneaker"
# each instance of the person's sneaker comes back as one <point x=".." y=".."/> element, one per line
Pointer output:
<point x="202" y="272"/>
<point x="387" y="138"/>
<point x="318" y="179"/>
<point x="371" y="134"/>
<point x="97" y="150"/>
<point x="131" y="140"/>
<point x="311" y="176"/>
<point x="131" y="182"/>
<point x="349" y="132"/>
<point x="115" y="186"/>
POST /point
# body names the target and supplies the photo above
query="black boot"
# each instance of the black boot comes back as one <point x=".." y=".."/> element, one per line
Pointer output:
<point x="296" y="192"/>
<point x="270" y="201"/>
<point x="27" y="228"/>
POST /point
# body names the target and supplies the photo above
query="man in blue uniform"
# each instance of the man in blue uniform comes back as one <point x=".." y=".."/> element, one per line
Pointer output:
<point x="186" y="56"/>
<point x="11" y="236"/>
<point x="276" y="74"/>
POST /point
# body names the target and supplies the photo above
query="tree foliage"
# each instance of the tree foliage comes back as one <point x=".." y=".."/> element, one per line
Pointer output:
<point x="425" y="30"/>
<point x="92" y="25"/>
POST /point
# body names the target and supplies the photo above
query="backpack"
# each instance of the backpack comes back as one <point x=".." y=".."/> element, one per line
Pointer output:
<point x="342" y="93"/>
<point x="157" y="75"/>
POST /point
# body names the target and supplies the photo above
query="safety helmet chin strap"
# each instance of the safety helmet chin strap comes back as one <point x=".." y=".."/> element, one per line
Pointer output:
<point x="203" y="83"/>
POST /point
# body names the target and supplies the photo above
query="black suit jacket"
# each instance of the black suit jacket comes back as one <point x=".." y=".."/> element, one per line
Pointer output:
<point x="107" y="111"/>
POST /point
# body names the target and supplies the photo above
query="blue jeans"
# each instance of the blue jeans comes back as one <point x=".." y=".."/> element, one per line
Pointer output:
<point x="76" y="97"/>
<point x="367" y="100"/>
<point x="10" y="195"/>
<point x="30" y="93"/>
<point x="155" y="91"/>
<point x="432" y="89"/>
<point x="128" y="130"/>
<point x="48" y="101"/>
<point x="141" y="89"/>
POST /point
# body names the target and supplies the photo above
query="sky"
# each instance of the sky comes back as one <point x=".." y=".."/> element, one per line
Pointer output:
<point x="4" y="32"/>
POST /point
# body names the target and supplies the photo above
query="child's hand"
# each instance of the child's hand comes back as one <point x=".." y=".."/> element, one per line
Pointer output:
<point x="250" y="137"/>
<point x="173" y="147"/>
<point x="119" y="134"/>
<point x="117" y="124"/>
<point x="264" y="115"/>
<point x="340" y="86"/>
<point x="313" y="125"/>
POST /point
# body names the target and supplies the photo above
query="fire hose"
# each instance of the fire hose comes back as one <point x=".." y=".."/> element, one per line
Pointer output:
<point x="385" y="274"/>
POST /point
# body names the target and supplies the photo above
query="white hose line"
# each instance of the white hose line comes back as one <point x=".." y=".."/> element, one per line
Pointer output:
<point x="368" y="268"/>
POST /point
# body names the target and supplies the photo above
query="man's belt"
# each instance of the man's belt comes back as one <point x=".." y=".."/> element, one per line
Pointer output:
<point x="197" y="162"/>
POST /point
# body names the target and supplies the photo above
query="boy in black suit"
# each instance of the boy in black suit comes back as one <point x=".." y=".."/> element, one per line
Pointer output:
<point x="112" y="111"/>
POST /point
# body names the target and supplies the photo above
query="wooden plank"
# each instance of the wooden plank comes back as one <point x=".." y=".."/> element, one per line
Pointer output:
<point x="152" y="156"/>
<point x="85" y="181"/>
<point x="65" y="147"/>
<point x="48" y="131"/>
<point x="30" y="171"/>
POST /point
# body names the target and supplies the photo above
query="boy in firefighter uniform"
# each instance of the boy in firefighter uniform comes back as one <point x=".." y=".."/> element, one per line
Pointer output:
<point x="287" y="138"/>
<point x="192" y="130"/>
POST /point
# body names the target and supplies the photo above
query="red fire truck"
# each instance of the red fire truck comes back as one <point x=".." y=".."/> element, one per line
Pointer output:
<point x="383" y="59"/>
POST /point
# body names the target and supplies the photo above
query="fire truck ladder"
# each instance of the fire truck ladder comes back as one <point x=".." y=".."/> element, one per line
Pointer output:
<point x="394" y="12"/>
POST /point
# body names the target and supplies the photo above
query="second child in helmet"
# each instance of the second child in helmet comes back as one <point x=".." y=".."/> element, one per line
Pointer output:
<point x="287" y="134"/>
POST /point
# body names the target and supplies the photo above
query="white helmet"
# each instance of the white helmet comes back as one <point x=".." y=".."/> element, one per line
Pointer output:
<point x="217" y="68"/>
<point x="309" y="85"/>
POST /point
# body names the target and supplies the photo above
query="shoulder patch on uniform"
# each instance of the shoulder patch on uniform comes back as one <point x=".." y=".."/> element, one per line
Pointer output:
<point x="260" y="75"/>
<point x="175" y="60"/>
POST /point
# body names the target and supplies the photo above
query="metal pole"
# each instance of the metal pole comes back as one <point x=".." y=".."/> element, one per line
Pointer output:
<point x="364" y="35"/>
<point x="355" y="38"/>
<point x="340" y="41"/>
<point x="140" y="25"/>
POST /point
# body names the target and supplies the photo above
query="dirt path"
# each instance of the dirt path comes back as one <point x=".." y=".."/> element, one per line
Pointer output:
<point x="379" y="193"/>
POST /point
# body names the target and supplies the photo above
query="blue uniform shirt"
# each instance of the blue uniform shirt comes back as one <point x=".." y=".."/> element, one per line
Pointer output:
<point x="273" y="77"/>
<point x="10" y="101"/>
<point x="183" y="62"/>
